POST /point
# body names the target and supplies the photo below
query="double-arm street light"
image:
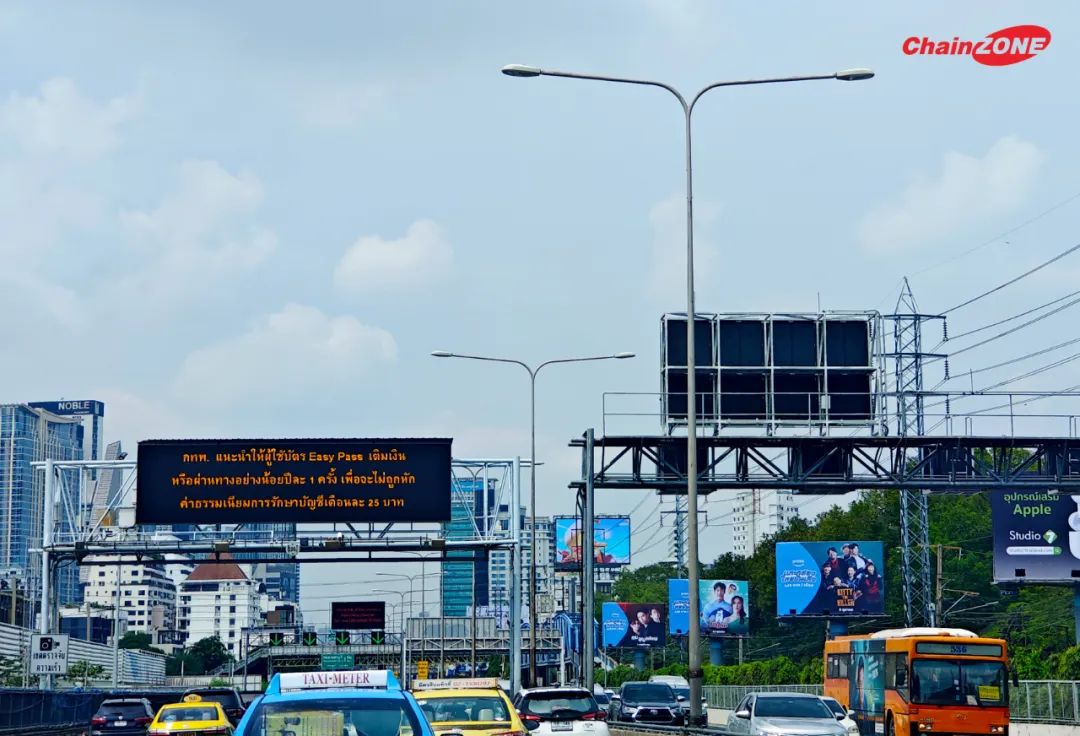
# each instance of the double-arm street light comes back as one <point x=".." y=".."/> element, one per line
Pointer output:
<point x="532" y="472"/>
<point x="849" y="75"/>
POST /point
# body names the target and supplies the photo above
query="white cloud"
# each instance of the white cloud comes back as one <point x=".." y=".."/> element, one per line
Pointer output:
<point x="374" y="264"/>
<point x="668" y="272"/>
<point x="60" y="120"/>
<point x="338" y="106"/>
<point x="286" y="355"/>
<point x="36" y="207"/>
<point x="968" y="190"/>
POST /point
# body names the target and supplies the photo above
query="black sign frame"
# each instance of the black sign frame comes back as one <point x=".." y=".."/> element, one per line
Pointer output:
<point x="358" y="615"/>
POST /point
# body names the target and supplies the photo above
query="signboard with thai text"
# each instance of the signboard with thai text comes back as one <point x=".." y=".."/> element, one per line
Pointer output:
<point x="293" y="481"/>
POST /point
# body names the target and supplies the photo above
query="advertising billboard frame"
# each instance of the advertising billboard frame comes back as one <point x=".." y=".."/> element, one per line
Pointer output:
<point x="617" y="625"/>
<point x="1036" y="537"/>
<point x="599" y="522"/>
<point x="802" y="580"/>
<point x="679" y="598"/>
<point x="317" y="480"/>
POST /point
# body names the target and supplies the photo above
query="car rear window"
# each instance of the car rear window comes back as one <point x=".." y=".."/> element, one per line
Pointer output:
<point x="562" y="704"/>
<point x="466" y="708"/>
<point x="190" y="713"/>
<point x="227" y="699"/>
<point x="658" y="693"/>
<point x="122" y="710"/>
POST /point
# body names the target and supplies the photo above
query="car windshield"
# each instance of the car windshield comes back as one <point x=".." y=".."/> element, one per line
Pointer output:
<point x="563" y="704"/>
<point x="465" y="708"/>
<point x="189" y="713"/>
<point x="122" y="710"/>
<point x="834" y="706"/>
<point x="781" y="707"/>
<point x="332" y="716"/>
<point x="602" y="698"/>
<point x="949" y="682"/>
<point x="651" y="693"/>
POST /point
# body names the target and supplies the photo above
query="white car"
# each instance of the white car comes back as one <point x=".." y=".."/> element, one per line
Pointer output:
<point x="843" y="717"/>
<point x="560" y="711"/>
<point x="784" y="714"/>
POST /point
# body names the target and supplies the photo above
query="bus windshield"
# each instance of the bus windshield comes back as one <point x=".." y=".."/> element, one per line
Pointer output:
<point x="951" y="682"/>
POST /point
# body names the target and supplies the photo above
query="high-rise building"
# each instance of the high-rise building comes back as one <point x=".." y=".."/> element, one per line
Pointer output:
<point x="56" y="430"/>
<point x="465" y="573"/>
<point x="280" y="580"/>
<point x="757" y="514"/>
<point x="545" y="562"/>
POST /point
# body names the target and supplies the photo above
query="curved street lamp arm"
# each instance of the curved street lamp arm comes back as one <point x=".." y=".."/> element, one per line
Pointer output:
<point x="620" y="80"/>
<point x="746" y="82"/>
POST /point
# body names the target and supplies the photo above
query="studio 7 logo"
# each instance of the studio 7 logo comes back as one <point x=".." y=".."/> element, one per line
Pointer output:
<point x="1001" y="48"/>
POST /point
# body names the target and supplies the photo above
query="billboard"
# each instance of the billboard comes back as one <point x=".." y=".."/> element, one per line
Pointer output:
<point x="81" y="407"/>
<point x="826" y="579"/>
<point x="633" y="625"/>
<point x="1036" y="536"/>
<point x="611" y="542"/>
<point x="292" y="481"/>
<point x="358" y="615"/>
<point x="723" y="607"/>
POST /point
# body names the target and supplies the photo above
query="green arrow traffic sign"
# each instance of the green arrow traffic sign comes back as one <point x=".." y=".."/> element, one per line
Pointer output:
<point x="311" y="639"/>
<point x="277" y="639"/>
<point x="341" y="638"/>
<point x="377" y="637"/>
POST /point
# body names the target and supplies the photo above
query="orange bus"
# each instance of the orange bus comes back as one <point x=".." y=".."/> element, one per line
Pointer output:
<point x="903" y="682"/>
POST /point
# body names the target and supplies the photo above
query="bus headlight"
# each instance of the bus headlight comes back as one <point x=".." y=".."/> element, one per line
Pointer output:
<point x="925" y="726"/>
<point x="999" y="729"/>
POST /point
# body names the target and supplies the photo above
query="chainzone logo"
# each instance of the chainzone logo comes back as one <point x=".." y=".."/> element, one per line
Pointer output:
<point x="1000" y="48"/>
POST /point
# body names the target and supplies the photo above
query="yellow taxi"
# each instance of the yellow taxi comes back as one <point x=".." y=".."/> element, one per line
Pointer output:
<point x="193" y="717"/>
<point x="467" y="706"/>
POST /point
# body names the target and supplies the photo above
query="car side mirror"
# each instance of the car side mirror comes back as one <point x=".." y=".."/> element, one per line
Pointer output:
<point x="840" y="716"/>
<point x="744" y="714"/>
<point x="532" y="725"/>
<point x="851" y="714"/>
<point x="680" y="698"/>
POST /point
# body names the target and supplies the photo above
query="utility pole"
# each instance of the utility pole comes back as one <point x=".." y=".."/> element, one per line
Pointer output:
<point x="939" y="591"/>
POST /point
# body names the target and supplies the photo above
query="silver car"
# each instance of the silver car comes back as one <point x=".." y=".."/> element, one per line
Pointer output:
<point x="784" y="714"/>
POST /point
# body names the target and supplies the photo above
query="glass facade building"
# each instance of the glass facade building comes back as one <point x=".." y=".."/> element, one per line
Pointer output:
<point x="31" y="434"/>
<point x="466" y="572"/>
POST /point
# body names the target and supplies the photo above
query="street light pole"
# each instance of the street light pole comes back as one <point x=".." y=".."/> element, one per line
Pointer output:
<point x="533" y="372"/>
<point x="521" y="70"/>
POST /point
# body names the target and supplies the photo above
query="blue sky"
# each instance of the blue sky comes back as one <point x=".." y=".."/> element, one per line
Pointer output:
<point x="257" y="219"/>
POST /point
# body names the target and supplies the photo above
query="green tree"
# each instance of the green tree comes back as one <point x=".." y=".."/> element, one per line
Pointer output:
<point x="81" y="671"/>
<point x="211" y="653"/>
<point x="138" y="640"/>
<point x="11" y="671"/>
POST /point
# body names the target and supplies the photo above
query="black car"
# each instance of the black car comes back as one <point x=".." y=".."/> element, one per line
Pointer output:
<point x="128" y="717"/>
<point x="230" y="700"/>
<point x="646" y="702"/>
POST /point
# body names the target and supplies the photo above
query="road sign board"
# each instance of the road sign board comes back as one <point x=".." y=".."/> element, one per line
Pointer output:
<point x="422" y="669"/>
<point x="311" y="639"/>
<point x="277" y="639"/>
<point x="48" y="654"/>
<point x="342" y="638"/>
<point x="337" y="661"/>
<point x="378" y="637"/>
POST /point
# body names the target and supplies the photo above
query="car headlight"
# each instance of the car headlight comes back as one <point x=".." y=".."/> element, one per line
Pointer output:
<point x="629" y="710"/>
<point x="853" y="730"/>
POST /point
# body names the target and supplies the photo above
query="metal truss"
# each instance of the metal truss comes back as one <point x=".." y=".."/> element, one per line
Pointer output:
<point x="828" y="465"/>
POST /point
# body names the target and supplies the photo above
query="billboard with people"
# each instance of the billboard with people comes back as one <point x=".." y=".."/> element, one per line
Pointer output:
<point x="723" y="607"/>
<point x="633" y="625"/>
<point x="827" y="579"/>
<point x="611" y="542"/>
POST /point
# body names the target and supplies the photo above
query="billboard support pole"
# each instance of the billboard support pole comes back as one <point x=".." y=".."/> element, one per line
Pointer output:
<point x="716" y="652"/>
<point x="45" y="623"/>
<point x="639" y="659"/>
<point x="1076" y="610"/>
<point x="588" y="594"/>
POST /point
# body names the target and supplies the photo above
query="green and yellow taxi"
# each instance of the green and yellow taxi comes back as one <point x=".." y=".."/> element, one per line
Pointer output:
<point x="193" y="717"/>
<point x="467" y="707"/>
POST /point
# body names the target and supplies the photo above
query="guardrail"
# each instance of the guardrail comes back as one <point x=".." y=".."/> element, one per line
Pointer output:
<point x="1035" y="701"/>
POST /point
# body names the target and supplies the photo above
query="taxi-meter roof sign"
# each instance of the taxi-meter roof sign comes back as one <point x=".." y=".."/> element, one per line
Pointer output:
<point x="458" y="683"/>
<point x="373" y="679"/>
<point x="48" y="654"/>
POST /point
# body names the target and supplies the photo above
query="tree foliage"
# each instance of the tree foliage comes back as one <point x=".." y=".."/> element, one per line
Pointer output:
<point x="1037" y="621"/>
<point x="83" y="671"/>
<point x="204" y="656"/>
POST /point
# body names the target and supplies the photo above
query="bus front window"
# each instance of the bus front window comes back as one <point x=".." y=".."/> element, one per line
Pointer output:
<point x="944" y="682"/>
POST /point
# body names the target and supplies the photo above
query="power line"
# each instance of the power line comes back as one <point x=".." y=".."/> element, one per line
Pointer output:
<point x="1010" y="319"/>
<point x="996" y="238"/>
<point x="1012" y="360"/>
<point x="1009" y="331"/>
<point x="1011" y="281"/>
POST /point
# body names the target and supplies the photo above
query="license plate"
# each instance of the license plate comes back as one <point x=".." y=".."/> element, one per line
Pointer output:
<point x="562" y="726"/>
<point x="119" y="724"/>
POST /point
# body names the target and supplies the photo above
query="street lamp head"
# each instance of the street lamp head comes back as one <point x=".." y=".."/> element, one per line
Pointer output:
<point x="521" y="70"/>
<point x="442" y="354"/>
<point x="623" y="356"/>
<point x="854" y="75"/>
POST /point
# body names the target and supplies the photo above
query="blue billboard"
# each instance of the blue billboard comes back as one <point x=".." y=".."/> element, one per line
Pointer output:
<point x="611" y="542"/>
<point x="723" y="607"/>
<point x="633" y="625"/>
<point x="827" y="579"/>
